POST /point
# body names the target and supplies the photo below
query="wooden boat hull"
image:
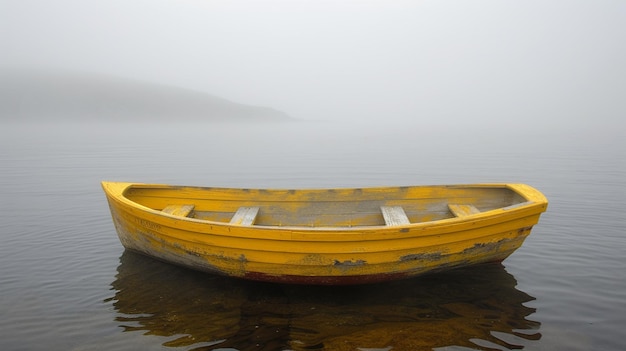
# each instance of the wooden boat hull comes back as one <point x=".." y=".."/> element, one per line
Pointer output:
<point x="324" y="236"/>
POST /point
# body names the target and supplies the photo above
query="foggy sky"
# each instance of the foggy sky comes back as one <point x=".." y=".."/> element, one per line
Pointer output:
<point x="430" y="61"/>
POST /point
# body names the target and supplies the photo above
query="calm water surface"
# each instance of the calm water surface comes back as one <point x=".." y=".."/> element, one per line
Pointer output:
<point x="66" y="283"/>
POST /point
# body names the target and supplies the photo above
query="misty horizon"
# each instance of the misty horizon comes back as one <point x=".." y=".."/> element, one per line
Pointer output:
<point x="72" y="96"/>
<point x="484" y="63"/>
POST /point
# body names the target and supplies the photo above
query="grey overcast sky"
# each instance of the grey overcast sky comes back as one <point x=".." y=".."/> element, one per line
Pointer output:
<point x="500" y="60"/>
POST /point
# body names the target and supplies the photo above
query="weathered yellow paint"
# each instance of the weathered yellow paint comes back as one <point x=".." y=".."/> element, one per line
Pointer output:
<point x="324" y="236"/>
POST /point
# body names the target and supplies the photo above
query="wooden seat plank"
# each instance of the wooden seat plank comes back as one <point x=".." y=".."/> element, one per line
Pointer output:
<point x="394" y="215"/>
<point x="245" y="216"/>
<point x="462" y="210"/>
<point x="179" y="210"/>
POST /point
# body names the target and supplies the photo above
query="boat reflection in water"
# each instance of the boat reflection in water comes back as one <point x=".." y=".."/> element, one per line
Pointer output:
<point x="476" y="307"/>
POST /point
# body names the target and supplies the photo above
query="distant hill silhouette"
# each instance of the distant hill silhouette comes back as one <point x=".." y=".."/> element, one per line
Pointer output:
<point x="37" y="96"/>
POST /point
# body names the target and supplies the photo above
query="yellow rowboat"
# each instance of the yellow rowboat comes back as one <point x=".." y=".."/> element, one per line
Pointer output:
<point x="324" y="236"/>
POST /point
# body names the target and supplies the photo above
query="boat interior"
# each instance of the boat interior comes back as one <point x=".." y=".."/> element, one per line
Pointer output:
<point x="324" y="207"/>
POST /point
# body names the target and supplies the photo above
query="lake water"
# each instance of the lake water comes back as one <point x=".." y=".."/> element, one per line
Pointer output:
<point x="66" y="283"/>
